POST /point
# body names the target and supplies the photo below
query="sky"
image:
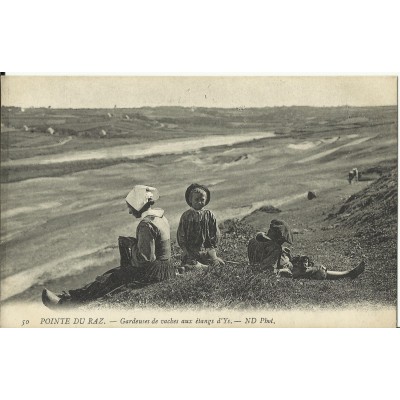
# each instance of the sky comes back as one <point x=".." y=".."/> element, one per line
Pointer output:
<point x="189" y="91"/>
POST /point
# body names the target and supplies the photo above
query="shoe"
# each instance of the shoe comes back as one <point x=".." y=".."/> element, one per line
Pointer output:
<point x="357" y="270"/>
<point x="50" y="299"/>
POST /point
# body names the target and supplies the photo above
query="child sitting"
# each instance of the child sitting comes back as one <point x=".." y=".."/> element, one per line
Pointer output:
<point x="198" y="232"/>
<point x="267" y="250"/>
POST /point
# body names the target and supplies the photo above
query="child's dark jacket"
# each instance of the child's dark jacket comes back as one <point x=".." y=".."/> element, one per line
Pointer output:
<point x="198" y="230"/>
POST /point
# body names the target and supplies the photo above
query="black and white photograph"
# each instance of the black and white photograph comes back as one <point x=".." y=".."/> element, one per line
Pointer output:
<point x="198" y="201"/>
<point x="175" y="173"/>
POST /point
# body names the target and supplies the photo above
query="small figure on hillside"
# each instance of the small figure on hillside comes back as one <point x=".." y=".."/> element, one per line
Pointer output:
<point x="350" y="176"/>
<point x="198" y="232"/>
<point x="267" y="250"/>
<point x="355" y="174"/>
<point x="144" y="259"/>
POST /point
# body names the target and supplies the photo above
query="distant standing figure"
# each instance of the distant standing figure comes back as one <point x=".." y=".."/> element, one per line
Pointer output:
<point x="351" y="176"/>
<point x="355" y="174"/>
<point x="198" y="232"/>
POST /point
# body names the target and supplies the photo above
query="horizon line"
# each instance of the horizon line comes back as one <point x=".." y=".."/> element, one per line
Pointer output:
<point x="190" y="107"/>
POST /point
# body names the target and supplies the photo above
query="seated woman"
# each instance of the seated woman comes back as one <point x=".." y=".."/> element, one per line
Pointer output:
<point x="144" y="259"/>
<point x="267" y="250"/>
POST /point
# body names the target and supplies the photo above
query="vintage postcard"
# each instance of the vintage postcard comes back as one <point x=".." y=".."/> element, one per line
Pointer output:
<point x="214" y="201"/>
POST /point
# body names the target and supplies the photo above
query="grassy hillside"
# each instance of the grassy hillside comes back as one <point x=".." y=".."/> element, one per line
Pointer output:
<point x="364" y="226"/>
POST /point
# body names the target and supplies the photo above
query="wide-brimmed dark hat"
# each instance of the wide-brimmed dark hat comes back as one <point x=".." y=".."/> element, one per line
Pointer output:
<point x="279" y="229"/>
<point x="196" y="186"/>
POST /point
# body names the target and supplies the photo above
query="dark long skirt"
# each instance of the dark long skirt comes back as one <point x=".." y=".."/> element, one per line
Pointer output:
<point x="127" y="273"/>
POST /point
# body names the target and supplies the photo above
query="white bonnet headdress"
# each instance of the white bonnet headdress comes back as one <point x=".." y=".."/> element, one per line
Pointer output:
<point x="140" y="195"/>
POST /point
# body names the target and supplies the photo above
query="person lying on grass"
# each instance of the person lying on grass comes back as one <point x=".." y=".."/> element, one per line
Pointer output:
<point x="198" y="232"/>
<point x="144" y="259"/>
<point x="267" y="250"/>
